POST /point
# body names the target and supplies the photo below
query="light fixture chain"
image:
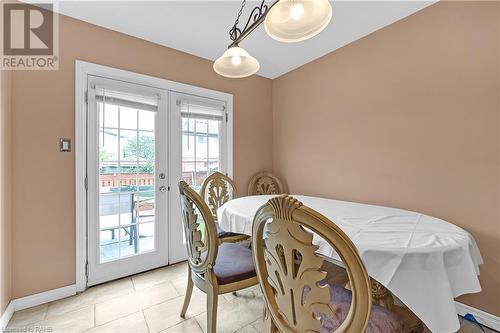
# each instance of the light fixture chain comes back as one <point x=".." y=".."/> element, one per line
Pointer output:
<point x="240" y="12"/>
<point x="235" y="31"/>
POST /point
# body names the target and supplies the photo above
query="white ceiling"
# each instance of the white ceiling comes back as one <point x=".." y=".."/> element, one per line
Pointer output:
<point x="201" y="27"/>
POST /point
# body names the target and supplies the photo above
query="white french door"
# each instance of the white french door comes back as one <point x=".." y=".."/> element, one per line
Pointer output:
<point x="202" y="145"/>
<point x="137" y="136"/>
<point x="127" y="168"/>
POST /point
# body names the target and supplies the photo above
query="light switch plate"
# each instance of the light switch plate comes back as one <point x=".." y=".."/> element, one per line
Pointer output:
<point x="64" y="145"/>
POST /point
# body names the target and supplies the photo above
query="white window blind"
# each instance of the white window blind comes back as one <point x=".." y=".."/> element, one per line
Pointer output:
<point x="147" y="103"/>
<point x="202" y="110"/>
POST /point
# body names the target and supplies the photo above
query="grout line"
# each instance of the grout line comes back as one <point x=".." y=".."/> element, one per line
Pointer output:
<point x="198" y="324"/>
<point x="65" y="313"/>
<point x="174" y="298"/>
<point x="145" y="320"/>
<point x="133" y="283"/>
<point x="46" y="310"/>
<point x="96" y="326"/>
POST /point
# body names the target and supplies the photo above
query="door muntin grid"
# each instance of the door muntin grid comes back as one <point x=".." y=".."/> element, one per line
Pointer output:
<point x="127" y="163"/>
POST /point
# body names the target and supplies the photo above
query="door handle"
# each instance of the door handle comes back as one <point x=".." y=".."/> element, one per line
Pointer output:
<point x="163" y="189"/>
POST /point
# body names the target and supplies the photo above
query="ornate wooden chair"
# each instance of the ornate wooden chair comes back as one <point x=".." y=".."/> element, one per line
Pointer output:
<point x="265" y="183"/>
<point x="297" y="294"/>
<point x="216" y="190"/>
<point x="214" y="269"/>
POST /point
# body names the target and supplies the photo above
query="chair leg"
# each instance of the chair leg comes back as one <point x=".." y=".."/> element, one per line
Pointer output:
<point x="189" y="292"/>
<point x="212" y="299"/>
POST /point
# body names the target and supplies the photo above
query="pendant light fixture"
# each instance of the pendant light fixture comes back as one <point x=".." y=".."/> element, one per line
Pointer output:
<point x="294" y="21"/>
<point x="285" y="21"/>
<point x="236" y="62"/>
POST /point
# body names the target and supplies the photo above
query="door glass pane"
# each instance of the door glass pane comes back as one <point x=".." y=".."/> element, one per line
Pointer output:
<point x="128" y="118"/>
<point x="108" y="148"/>
<point x="108" y="208"/>
<point x="146" y="146"/>
<point x="108" y="116"/>
<point x="145" y="207"/>
<point x="126" y="178"/>
<point x="128" y="241"/>
<point x="146" y="120"/>
<point x="146" y="236"/>
<point x="110" y="244"/>
<point x="129" y="145"/>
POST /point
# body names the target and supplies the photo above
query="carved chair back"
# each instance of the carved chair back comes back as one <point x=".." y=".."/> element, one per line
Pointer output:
<point x="216" y="190"/>
<point x="265" y="183"/>
<point x="288" y="269"/>
<point x="199" y="229"/>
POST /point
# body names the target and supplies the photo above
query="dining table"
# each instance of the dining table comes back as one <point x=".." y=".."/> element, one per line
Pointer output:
<point x="424" y="261"/>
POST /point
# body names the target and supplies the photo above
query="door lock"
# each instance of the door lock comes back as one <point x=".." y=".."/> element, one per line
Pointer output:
<point x="163" y="189"/>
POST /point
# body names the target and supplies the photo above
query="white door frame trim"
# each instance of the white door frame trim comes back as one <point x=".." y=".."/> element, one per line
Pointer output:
<point x="82" y="70"/>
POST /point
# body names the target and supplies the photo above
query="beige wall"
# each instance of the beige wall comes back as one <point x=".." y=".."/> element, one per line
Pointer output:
<point x="5" y="160"/>
<point x="406" y="117"/>
<point x="43" y="111"/>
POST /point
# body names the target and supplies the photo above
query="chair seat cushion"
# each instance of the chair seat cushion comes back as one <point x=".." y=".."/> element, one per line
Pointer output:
<point x="381" y="319"/>
<point x="234" y="263"/>
<point x="221" y="233"/>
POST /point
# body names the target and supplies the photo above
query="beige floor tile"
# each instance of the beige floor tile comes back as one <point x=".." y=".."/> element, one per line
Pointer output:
<point x="157" y="302"/>
<point x="28" y="316"/>
<point x="127" y="304"/>
<point x="91" y="296"/>
<point x="134" y="323"/>
<point x="187" y="326"/>
<point x="71" y="322"/>
<point x="180" y="284"/>
<point x="167" y="314"/>
<point x="151" y="278"/>
<point x="235" y="314"/>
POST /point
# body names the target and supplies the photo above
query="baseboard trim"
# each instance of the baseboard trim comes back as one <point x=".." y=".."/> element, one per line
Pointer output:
<point x="5" y="318"/>
<point x="44" y="297"/>
<point x="34" y="300"/>
<point x="484" y="318"/>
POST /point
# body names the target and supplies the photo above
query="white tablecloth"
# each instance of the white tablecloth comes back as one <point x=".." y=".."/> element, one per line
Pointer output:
<point x="426" y="262"/>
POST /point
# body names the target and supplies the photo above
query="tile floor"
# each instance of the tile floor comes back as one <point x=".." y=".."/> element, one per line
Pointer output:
<point x="148" y="302"/>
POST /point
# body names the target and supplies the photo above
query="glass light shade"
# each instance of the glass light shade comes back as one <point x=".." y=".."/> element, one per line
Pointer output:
<point x="236" y="63"/>
<point x="297" y="20"/>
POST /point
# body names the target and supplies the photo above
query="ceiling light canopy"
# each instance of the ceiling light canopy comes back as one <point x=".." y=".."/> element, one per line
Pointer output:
<point x="294" y="21"/>
<point x="285" y="20"/>
<point x="236" y="62"/>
